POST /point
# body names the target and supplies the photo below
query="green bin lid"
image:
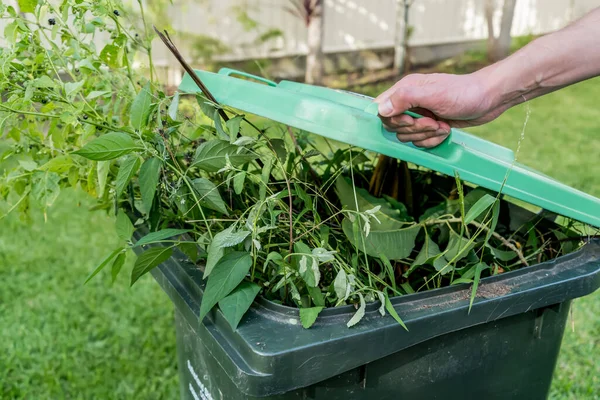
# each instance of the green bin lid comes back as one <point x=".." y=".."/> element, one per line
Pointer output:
<point x="352" y="119"/>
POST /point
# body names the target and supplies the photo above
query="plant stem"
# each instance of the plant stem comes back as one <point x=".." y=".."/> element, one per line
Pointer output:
<point x="149" y="44"/>
<point x="6" y="108"/>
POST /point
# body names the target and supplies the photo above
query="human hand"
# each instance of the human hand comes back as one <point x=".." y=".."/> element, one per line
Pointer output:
<point x="444" y="101"/>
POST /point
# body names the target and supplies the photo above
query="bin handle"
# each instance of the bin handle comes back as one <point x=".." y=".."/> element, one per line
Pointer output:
<point x="373" y="109"/>
<point x="230" y="72"/>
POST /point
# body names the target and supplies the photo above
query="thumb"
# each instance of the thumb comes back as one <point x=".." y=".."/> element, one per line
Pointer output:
<point x="402" y="97"/>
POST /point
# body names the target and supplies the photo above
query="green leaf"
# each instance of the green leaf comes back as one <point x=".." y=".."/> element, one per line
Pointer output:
<point x="233" y="126"/>
<point x="458" y="248"/>
<point x="148" y="260"/>
<point x="108" y="147"/>
<point x="28" y="165"/>
<point x="223" y="239"/>
<point x="566" y="246"/>
<point x="97" y="93"/>
<point x="173" y="107"/>
<point x="149" y="175"/>
<point x="390" y="309"/>
<point x="103" y="264"/>
<point x="27" y="6"/>
<point x="495" y="217"/>
<point x="72" y="88"/>
<point x="140" y="108"/>
<point x="102" y="169"/>
<point x="124" y="226"/>
<point x="215" y="253"/>
<point x="209" y="195"/>
<point x="307" y="265"/>
<point x="10" y="32"/>
<point x="211" y="156"/>
<point x="340" y="285"/>
<point x="190" y="250"/>
<point x="309" y="271"/>
<point x="158" y="236"/>
<point x="381" y="298"/>
<point x="407" y="288"/>
<point x="219" y="126"/>
<point x="279" y="147"/>
<point x="430" y="254"/>
<point x="238" y="182"/>
<point x="266" y="173"/>
<point x="360" y="313"/>
<point x="207" y="108"/>
<point x="502" y="255"/>
<point x="45" y="188"/>
<point x="129" y="167"/>
<point x="394" y="244"/>
<point x="478" y="269"/>
<point x="112" y="56"/>
<point x="484" y="203"/>
<point x="317" y="296"/>
<point x="235" y="305"/>
<point x="227" y="274"/>
<point x="389" y="270"/>
<point x="59" y="164"/>
<point x="390" y="218"/>
<point x="117" y="265"/>
<point x="308" y="316"/>
<point x="43" y="82"/>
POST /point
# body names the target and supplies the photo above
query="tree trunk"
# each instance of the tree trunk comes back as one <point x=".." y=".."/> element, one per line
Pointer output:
<point x="401" y="56"/>
<point x="399" y="48"/>
<point x="504" y="37"/>
<point x="499" y="47"/>
<point x="489" y="18"/>
<point x="314" y="58"/>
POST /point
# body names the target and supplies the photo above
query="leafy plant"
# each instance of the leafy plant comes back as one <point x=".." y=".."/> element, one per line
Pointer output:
<point x="269" y="210"/>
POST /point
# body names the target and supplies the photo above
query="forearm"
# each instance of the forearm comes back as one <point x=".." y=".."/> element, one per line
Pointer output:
<point x="547" y="64"/>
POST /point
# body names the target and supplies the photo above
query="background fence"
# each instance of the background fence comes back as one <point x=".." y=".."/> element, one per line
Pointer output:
<point x="357" y="24"/>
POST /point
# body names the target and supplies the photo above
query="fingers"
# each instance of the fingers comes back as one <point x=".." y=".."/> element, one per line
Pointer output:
<point x="406" y="124"/>
<point x="422" y="132"/>
<point x="431" y="142"/>
<point x="424" y="138"/>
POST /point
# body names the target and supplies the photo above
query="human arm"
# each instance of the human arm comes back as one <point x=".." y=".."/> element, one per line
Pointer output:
<point x="549" y="63"/>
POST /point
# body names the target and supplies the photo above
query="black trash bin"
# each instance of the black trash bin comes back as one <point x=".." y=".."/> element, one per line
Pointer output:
<point x="506" y="348"/>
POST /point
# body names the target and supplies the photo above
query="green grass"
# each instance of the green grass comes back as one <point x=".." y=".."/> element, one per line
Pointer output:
<point x="61" y="339"/>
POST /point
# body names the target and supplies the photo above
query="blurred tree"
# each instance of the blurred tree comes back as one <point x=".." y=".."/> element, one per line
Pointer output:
<point x="499" y="46"/>
<point x="311" y="13"/>
<point x="403" y="33"/>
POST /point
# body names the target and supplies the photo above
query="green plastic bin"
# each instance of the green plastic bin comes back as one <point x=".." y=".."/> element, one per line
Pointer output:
<point x="506" y="348"/>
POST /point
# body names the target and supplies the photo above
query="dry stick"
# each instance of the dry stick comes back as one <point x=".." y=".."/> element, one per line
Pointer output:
<point x="169" y="43"/>
<point x="171" y="46"/>
<point x="487" y="229"/>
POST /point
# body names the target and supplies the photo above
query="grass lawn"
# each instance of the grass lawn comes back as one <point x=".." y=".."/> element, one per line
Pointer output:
<point x="61" y="339"/>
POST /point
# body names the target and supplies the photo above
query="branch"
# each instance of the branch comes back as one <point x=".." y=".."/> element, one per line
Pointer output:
<point x="171" y="46"/>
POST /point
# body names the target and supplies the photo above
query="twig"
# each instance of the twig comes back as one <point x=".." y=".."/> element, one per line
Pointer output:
<point x="504" y="241"/>
<point x="169" y="43"/>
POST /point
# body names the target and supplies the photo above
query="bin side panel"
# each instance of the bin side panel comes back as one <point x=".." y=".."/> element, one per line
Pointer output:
<point x="509" y="358"/>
